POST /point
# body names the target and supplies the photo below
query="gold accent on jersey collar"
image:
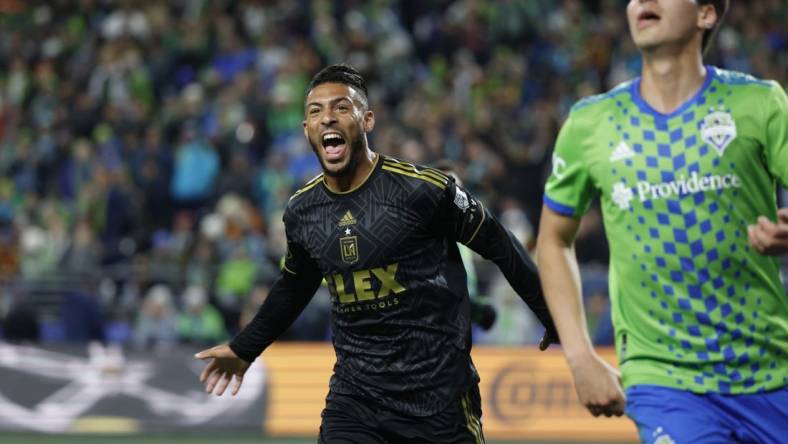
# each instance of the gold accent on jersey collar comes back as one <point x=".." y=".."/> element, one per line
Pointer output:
<point x="429" y="175"/>
<point x="371" y="170"/>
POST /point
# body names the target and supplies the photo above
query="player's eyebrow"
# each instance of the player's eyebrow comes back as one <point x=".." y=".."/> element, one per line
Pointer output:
<point x="332" y="101"/>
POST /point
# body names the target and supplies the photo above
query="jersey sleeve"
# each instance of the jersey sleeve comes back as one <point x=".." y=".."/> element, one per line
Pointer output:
<point x="465" y="219"/>
<point x="569" y="189"/>
<point x="289" y="295"/>
<point x="297" y="261"/>
<point x="776" y="146"/>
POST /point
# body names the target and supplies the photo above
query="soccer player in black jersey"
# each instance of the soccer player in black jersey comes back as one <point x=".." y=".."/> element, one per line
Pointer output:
<point x="382" y="233"/>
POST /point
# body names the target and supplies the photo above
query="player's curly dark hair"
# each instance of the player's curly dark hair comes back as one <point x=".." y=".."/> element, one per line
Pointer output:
<point x="340" y="73"/>
<point x="721" y="6"/>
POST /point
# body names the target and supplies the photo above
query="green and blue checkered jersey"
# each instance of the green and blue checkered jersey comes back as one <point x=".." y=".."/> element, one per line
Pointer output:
<point x="694" y="306"/>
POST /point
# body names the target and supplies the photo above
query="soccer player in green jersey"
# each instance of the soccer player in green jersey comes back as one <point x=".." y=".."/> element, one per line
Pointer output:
<point x="685" y="160"/>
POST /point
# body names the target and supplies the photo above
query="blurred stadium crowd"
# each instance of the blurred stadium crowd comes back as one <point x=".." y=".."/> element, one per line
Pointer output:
<point x="147" y="148"/>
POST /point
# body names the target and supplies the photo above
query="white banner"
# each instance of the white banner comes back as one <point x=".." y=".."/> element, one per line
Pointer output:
<point x="100" y="389"/>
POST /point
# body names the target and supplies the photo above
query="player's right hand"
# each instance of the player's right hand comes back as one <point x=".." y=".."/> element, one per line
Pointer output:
<point x="224" y="364"/>
<point x="770" y="238"/>
<point x="598" y="386"/>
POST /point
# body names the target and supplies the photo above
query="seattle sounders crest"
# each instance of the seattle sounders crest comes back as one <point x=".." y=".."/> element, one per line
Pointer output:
<point x="718" y="129"/>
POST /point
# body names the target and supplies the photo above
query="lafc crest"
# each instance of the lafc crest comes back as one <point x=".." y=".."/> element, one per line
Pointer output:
<point x="718" y="129"/>
<point x="348" y="247"/>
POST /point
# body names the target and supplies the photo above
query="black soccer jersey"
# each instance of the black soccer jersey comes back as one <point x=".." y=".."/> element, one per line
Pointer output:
<point x="400" y="307"/>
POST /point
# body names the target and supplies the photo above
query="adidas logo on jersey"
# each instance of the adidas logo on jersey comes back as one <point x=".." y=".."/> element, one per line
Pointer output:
<point x="347" y="219"/>
<point x="621" y="152"/>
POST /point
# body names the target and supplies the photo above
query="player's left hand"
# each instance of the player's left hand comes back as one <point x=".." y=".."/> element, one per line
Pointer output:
<point x="770" y="238"/>
<point x="549" y="337"/>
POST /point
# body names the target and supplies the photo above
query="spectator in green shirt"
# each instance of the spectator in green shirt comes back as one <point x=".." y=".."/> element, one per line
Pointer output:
<point x="199" y="322"/>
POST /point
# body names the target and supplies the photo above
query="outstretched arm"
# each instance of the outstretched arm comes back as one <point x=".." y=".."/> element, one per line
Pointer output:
<point x="770" y="238"/>
<point x="288" y="297"/>
<point x="473" y="225"/>
<point x="596" y="382"/>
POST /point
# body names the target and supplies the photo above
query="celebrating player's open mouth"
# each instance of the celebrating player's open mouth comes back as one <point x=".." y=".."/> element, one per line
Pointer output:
<point x="334" y="145"/>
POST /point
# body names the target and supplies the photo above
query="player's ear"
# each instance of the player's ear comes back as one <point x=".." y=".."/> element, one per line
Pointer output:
<point x="707" y="16"/>
<point x="369" y="121"/>
<point x="306" y="133"/>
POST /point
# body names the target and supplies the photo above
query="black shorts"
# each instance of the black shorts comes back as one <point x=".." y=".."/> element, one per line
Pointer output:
<point x="349" y="419"/>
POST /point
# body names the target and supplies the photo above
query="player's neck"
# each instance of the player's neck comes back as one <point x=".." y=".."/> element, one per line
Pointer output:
<point x="358" y="176"/>
<point x="669" y="80"/>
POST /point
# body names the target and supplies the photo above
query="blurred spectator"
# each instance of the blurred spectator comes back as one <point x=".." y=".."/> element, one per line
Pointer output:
<point x="151" y="169"/>
<point x="37" y="256"/>
<point x="237" y="178"/>
<point x="196" y="168"/>
<point x="234" y="283"/>
<point x="156" y="325"/>
<point x="182" y="237"/>
<point x="256" y="298"/>
<point x="514" y="218"/>
<point x="199" y="322"/>
<point x="84" y="253"/>
<point x="201" y="264"/>
<point x="19" y="323"/>
<point x="273" y="185"/>
<point x="125" y="21"/>
<point x="119" y="216"/>
<point x="163" y="265"/>
<point x="81" y="313"/>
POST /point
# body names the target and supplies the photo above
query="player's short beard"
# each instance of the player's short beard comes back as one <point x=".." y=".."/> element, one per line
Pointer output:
<point x="356" y="149"/>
